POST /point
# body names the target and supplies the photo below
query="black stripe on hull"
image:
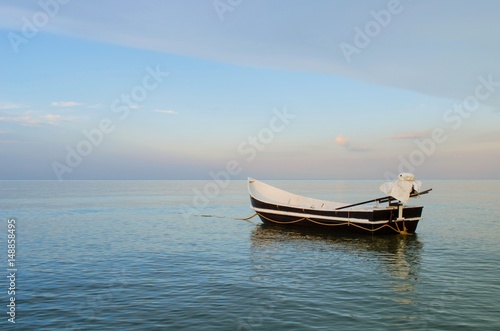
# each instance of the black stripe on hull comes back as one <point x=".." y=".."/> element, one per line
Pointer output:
<point x="339" y="226"/>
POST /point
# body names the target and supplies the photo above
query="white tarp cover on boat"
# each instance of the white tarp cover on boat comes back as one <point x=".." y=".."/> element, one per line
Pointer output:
<point x="402" y="188"/>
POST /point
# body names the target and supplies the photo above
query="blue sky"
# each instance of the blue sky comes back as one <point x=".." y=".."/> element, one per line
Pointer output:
<point x="371" y="88"/>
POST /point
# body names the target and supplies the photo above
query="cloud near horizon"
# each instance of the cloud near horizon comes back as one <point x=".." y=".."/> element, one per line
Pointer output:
<point x="10" y="106"/>
<point x="31" y="118"/>
<point x="66" y="104"/>
<point x="166" y="111"/>
<point x="345" y="142"/>
<point x="342" y="141"/>
<point x="410" y="135"/>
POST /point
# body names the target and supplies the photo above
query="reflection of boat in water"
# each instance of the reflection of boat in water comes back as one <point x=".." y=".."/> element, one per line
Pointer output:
<point x="266" y="234"/>
<point x="275" y="206"/>
<point x="398" y="256"/>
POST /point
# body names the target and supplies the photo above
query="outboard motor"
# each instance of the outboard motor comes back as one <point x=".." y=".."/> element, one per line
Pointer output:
<point x="402" y="188"/>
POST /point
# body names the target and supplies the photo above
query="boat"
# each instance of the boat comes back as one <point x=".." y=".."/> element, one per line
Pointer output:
<point x="278" y="207"/>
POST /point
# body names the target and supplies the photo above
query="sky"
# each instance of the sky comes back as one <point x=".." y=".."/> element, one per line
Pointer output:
<point x="225" y="89"/>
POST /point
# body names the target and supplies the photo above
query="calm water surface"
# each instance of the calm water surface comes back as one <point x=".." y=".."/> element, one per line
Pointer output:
<point x="137" y="255"/>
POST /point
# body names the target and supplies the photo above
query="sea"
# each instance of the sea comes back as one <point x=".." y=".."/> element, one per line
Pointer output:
<point x="178" y="255"/>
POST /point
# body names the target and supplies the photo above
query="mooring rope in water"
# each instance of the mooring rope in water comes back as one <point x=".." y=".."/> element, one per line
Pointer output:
<point x="248" y="218"/>
<point x="227" y="217"/>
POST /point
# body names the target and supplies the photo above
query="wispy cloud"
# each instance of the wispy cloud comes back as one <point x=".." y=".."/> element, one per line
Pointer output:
<point x="166" y="111"/>
<point x="66" y="104"/>
<point x="30" y="118"/>
<point x="9" y="141"/>
<point x="410" y="135"/>
<point x="9" y="106"/>
<point x="397" y="64"/>
<point x="359" y="148"/>
<point x="95" y="106"/>
<point x="135" y="107"/>
<point x="345" y="142"/>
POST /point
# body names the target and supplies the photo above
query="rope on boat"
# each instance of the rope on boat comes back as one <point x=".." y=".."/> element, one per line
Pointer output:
<point x="348" y="223"/>
<point x="278" y="222"/>
<point x="404" y="231"/>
